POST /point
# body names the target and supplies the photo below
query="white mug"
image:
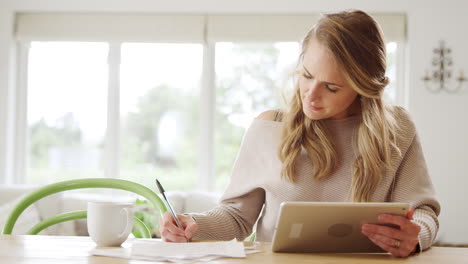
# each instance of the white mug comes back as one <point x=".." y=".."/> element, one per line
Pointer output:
<point x="109" y="224"/>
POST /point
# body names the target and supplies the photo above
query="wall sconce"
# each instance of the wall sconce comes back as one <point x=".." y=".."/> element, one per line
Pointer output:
<point x="440" y="77"/>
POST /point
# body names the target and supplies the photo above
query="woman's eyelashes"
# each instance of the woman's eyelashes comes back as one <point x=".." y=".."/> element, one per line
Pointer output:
<point x="310" y="77"/>
<point x="330" y="89"/>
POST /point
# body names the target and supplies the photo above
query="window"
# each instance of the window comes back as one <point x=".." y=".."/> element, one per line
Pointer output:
<point x="391" y="92"/>
<point x="250" y="79"/>
<point x="67" y="95"/>
<point x="155" y="96"/>
<point x="160" y="87"/>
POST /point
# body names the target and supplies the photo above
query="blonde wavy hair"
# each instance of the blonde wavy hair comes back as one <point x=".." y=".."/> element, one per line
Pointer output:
<point x="356" y="42"/>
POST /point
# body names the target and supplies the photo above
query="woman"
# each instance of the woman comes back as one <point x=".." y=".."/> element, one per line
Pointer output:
<point x="337" y="141"/>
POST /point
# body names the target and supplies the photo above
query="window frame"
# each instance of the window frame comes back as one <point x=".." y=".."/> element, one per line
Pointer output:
<point x="206" y="172"/>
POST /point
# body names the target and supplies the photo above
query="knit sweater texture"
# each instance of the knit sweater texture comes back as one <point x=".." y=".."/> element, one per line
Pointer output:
<point x="256" y="188"/>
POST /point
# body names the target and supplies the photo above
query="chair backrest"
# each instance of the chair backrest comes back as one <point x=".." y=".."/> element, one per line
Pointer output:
<point x="79" y="184"/>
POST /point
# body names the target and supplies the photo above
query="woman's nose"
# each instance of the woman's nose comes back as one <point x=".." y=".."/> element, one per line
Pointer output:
<point x="313" y="91"/>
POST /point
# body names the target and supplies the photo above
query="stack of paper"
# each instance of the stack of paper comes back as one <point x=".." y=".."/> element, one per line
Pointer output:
<point x="156" y="250"/>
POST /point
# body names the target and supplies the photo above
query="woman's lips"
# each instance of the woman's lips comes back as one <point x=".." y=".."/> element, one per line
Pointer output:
<point x="315" y="108"/>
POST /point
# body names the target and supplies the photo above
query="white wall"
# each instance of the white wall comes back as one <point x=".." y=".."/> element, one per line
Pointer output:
<point x="440" y="118"/>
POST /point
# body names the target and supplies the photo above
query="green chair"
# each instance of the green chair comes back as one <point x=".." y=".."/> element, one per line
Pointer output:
<point x="81" y="184"/>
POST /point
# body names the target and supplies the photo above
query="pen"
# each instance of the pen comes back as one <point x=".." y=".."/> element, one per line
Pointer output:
<point x="161" y="190"/>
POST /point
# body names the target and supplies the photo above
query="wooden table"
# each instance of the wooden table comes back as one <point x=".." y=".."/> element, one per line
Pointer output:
<point x="68" y="249"/>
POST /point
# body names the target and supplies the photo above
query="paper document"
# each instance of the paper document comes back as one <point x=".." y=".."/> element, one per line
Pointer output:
<point x="156" y="250"/>
<point x="160" y="249"/>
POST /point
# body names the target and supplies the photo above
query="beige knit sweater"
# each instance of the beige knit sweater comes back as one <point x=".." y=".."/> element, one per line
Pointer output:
<point x="256" y="182"/>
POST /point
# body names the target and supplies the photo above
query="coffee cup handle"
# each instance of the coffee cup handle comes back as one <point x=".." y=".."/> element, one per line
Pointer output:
<point x="129" y="226"/>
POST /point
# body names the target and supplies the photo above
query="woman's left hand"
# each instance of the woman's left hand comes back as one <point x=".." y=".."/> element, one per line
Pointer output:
<point x="399" y="242"/>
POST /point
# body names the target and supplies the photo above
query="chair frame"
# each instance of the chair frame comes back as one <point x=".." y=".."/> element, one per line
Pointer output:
<point x="80" y="184"/>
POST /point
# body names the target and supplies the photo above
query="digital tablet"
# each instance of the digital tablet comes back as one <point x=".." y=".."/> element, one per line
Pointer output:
<point x="319" y="227"/>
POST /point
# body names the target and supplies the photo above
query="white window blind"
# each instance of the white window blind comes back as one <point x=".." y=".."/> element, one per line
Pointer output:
<point x="109" y="27"/>
<point x="180" y="28"/>
<point x="286" y="27"/>
<point x="263" y="28"/>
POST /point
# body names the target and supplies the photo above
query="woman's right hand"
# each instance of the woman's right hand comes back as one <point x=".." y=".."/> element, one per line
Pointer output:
<point x="170" y="232"/>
